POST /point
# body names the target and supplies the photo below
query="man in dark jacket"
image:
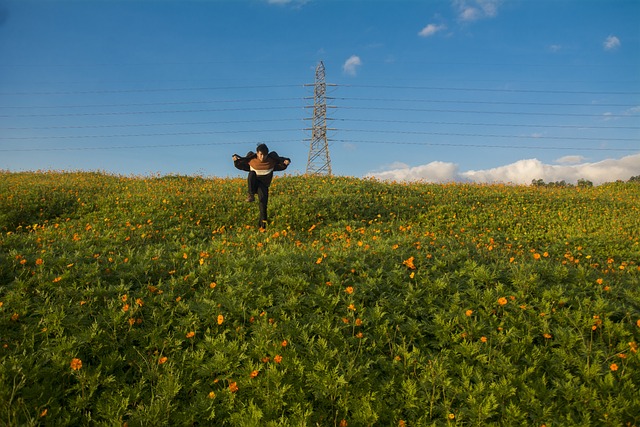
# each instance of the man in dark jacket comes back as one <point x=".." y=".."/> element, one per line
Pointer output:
<point x="260" y="166"/>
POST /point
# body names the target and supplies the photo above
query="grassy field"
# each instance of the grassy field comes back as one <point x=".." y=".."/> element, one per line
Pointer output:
<point x="148" y="301"/>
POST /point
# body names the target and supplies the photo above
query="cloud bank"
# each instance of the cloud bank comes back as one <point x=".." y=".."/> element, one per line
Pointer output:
<point x="474" y="10"/>
<point x="431" y="29"/>
<point x="520" y="172"/>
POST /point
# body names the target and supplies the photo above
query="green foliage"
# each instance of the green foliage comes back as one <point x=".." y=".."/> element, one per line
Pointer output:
<point x="368" y="302"/>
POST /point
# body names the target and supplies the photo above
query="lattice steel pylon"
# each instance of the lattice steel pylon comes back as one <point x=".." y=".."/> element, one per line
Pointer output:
<point x="319" y="162"/>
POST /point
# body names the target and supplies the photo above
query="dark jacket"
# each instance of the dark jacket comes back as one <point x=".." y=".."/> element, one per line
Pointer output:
<point x="243" y="164"/>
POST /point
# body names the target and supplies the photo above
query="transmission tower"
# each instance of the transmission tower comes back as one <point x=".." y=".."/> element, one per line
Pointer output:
<point x="319" y="162"/>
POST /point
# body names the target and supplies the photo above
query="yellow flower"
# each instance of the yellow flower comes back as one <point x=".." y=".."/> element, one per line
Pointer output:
<point x="352" y="307"/>
<point x="233" y="387"/>
<point x="451" y="416"/>
<point x="76" y="364"/>
<point x="191" y="334"/>
<point x="139" y="302"/>
<point x="409" y="263"/>
<point x="212" y="395"/>
<point x="220" y="319"/>
<point x="349" y="290"/>
<point x="502" y="301"/>
<point x="483" y="339"/>
<point x="547" y="336"/>
<point x="613" y="367"/>
<point x="468" y="313"/>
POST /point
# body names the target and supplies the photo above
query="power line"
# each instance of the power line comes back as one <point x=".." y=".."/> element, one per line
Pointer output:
<point x="148" y="104"/>
<point x="132" y="147"/>
<point x="519" y="113"/>
<point x="444" y="144"/>
<point x="441" y="101"/>
<point x="154" y="90"/>
<point x="146" y="134"/>
<point x="472" y="89"/>
<point x="477" y="135"/>
<point x="127" y="113"/>
<point x="488" y="124"/>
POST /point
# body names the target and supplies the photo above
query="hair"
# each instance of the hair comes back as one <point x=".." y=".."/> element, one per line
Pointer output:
<point x="262" y="148"/>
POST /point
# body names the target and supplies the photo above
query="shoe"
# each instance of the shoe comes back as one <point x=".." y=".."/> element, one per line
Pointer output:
<point x="251" y="198"/>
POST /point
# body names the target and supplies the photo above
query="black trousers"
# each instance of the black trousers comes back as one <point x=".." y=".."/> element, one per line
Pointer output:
<point x="260" y="185"/>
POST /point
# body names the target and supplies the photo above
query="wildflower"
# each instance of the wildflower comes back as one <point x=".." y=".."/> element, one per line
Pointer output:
<point x="266" y="359"/>
<point x="352" y="307"/>
<point x="502" y="301"/>
<point x="212" y="395"/>
<point x="613" y="367"/>
<point x="343" y="423"/>
<point x="191" y="334"/>
<point x="57" y="279"/>
<point x="125" y="308"/>
<point x="124" y="298"/>
<point x="345" y="320"/>
<point x="359" y="335"/>
<point x="547" y="336"/>
<point x="451" y="416"/>
<point x="638" y="323"/>
<point x="536" y="256"/>
<point x="39" y="261"/>
<point x="358" y="322"/>
<point x="401" y="423"/>
<point x="284" y="343"/>
<point x="212" y="285"/>
<point x="349" y="290"/>
<point x="277" y="358"/>
<point x="634" y="346"/>
<point x="162" y="360"/>
<point x="409" y="263"/>
<point x="139" y="302"/>
<point x="483" y="339"/>
<point x="132" y="321"/>
<point x="468" y="313"/>
<point x="76" y="364"/>
<point x="15" y="316"/>
<point x="599" y="281"/>
<point x="220" y="319"/>
<point x="44" y="413"/>
<point x="233" y="387"/>
<point x="253" y="374"/>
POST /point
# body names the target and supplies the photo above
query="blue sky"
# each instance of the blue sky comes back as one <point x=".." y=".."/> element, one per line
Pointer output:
<point x="451" y="90"/>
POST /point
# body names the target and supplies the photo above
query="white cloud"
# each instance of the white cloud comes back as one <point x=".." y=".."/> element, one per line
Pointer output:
<point x="555" y="48"/>
<point x="431" y="29"/>
<point x="350" y="66"/>
<point x="296" y="3"/>
<point x="521" y="172"/>
<point x="570" y="160"/>
<point x="611" y="43"/>
<point x="473" y="10"/>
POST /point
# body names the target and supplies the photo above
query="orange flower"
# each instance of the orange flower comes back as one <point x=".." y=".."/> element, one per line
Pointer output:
<point x="468" y="313"/>
<point x="139" y="302"/>
<point x="613" y="367"/>
<point x="547" y="336"/>
<point x="284" y="343"/>
<point x="352" y="307"/>
<point x="44" y="413"/>
<point x="220" y="319"/>
<point x="349" y="290"/>
<point x="76" y="364"/>
<point x="212" y="395"/>
<point x="638" y="323"/>
<point x="599" y="281"/>
<point x="233" y="387"/>
<point x="483" y="339"/>
<point x="125" y="308"/>
<point x="343" y="423"/>
<point x="191" y="334"/>
<point x="39" y="261"/>
<point x="124" y="298"/>
<point x="451" y="416"/>
<point x="253" y="374"/>
<point x="409" y="263"/>
<point x="213" y="285"/>
<point x="502" y="301"/>
<point x="162" y="360"/>
<point x="358" y="322"/>
<point x="277" y="358"/>
<point x="536" y="256"/>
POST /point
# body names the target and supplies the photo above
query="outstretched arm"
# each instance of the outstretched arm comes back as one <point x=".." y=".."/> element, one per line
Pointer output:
<point x="242" y="163"/>
<point x="281" y="162"/>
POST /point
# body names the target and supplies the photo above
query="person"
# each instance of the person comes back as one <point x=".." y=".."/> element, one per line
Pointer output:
<point x="260" y="166"/>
